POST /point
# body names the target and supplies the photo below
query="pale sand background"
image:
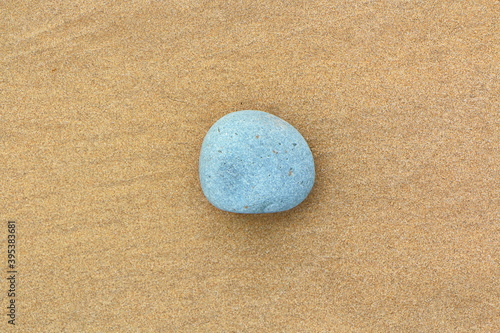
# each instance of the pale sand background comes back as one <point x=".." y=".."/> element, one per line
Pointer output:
<point x="103" y="109"/>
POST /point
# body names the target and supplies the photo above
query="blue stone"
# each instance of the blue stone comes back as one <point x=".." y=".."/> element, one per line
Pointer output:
<point x="254" y="162"/>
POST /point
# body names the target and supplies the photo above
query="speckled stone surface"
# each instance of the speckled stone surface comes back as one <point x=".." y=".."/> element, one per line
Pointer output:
<point x="255" y="162"/>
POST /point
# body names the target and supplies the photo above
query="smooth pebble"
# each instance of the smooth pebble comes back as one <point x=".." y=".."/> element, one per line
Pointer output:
<point x="255" y="162"/>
